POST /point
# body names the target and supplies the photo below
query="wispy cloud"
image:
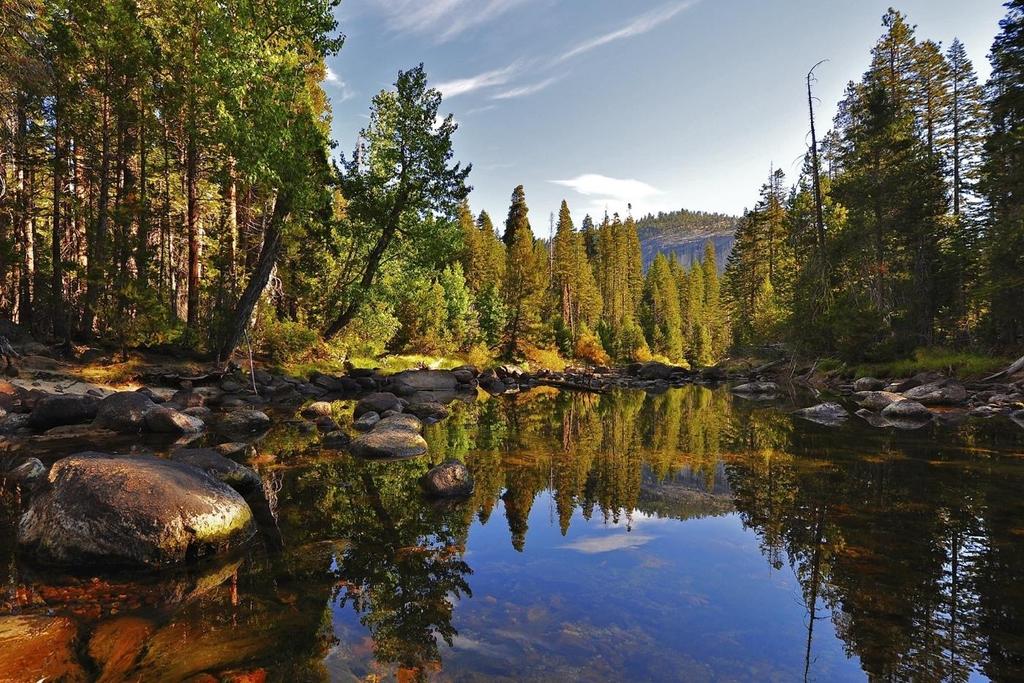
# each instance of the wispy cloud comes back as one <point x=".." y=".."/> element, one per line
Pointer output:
<point x="487" y="79"/>
<point x="523" y="91"/>
<point x="338" y="84"/>
<point x="618" y="189"/>
<point x="445" y="19"/>
<point x="640" y="25"/>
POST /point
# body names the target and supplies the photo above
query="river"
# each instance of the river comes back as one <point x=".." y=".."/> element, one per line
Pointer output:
<point x="690" y="535"/>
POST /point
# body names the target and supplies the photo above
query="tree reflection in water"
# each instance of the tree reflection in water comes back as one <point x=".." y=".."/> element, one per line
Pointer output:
<point x="906" y="546"/>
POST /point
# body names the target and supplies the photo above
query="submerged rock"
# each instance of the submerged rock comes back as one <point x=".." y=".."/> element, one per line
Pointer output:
<point x="132" y="511"/>
<point x="825" y="413"/>
<point x="450" y="479"/>
<point x="63" y="409"/>
<point x="336" y="440"/>
<point x="39" y="648"/>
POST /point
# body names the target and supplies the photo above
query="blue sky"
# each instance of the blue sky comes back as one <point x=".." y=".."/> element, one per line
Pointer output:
<point x="662" y="103"/>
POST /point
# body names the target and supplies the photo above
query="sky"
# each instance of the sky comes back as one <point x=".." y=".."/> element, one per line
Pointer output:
<point x="662" y="104"/>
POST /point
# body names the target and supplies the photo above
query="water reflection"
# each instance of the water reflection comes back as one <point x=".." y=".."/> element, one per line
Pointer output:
<point x="686" y="534"/>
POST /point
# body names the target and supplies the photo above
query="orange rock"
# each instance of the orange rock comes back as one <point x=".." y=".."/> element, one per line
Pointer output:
<point x="34" y="648"/>
<point x="116" y="644"/>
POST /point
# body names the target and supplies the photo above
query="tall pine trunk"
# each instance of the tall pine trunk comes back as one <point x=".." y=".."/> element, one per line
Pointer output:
<point x="59" y="326"/>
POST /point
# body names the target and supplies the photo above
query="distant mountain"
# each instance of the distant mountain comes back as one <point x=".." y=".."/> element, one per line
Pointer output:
<point x="684" y="234"/>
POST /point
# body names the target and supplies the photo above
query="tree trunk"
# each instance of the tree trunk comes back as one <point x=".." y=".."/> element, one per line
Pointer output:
<point x="142" y="237"/>
<point x="231" y="225"/>
<point x="96" y="243"/>
<point x="192" y="219"/>
<point x="23" y="233"/>
<point x="260" y="276"/>
<point x="57" y="229"/>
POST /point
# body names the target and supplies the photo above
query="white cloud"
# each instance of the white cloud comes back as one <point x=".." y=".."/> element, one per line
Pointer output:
<point x="523" y="91"/>
<point x="640" y="25"/>
<point x="609" y="544"/>
<point x="614" y="189"/>
<point x="337" y="83"/>
<point x="444" y="19"/>
<point x="487" y="79"/>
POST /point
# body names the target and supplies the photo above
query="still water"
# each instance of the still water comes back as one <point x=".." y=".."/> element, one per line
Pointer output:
<point x="684" y="536"/>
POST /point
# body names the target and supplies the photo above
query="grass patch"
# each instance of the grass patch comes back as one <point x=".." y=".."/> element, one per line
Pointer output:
<point x="959" y="363"/>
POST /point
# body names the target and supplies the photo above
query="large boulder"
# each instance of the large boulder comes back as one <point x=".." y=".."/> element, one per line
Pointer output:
<point x="132" y="511"/>
<point x="124" y="412"/>
<point x="394" y="437"/>
<point x="876" y="400"/>
<point x="427" y="380"/>
<point x="450" y="479"/>
<point x="830" y="414"/>
<point x="63" y="409"/>
<point x="946" y="392"/>
<point x="377" y="403"/>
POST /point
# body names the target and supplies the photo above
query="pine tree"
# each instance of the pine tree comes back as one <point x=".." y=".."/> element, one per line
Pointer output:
<point x="525" y="274"/>
<point x="516" y="222"/>
<point x="1003" y="182"/>
<point x="659" y="313"/>
<point x="572" y="277"/>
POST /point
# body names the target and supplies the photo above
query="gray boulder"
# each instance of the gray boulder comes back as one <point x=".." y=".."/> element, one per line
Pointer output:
<point x="223" y="469"/>
<point x="830" y="414"/>
<point x="427" y="380"/>
<point x="450" y="479"/>
<point x="756" y="389"/>
<point x="393" y="437"/>
<point x="336" y="440"/>
<point x="124" y="412"/>
<point x="868" y="384"/>
<point x="63" y="409"/>
<point x="26" y="475"/>
<point x="906" y="410"/>
<point x="377" y="403"/>
<point x="428" y="410"/>
<point x="876" y="400"/>
<point x="366" y="421"/>
<point x="137" y="511"/>
<point x="169" y="421"/>
<point x="946" y="392"/>
<point x="243" y="422"/>
<point x="318" y="409"/>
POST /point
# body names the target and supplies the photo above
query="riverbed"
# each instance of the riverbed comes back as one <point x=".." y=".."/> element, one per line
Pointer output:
<point x="686" y="535"/>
